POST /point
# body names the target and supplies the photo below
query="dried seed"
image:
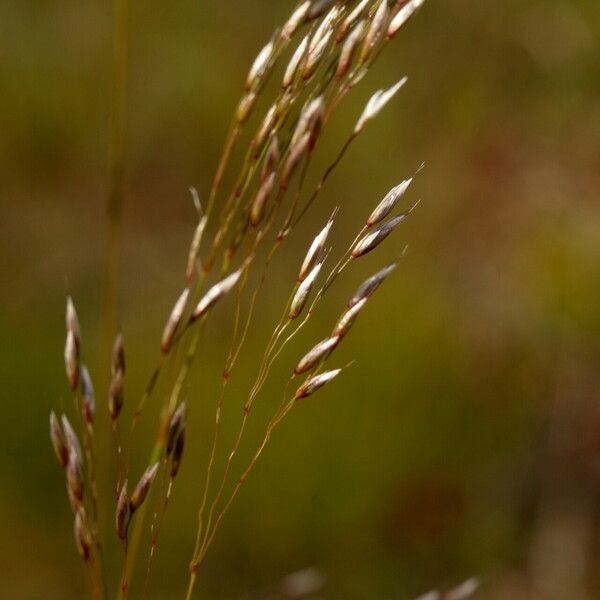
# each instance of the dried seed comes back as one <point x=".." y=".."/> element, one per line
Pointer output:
<point x="75" y="475"/>
<point x="375" y="31"/>
<point x="118" y="355"/>
<point x="402" y="16"/>
<point x="260" y="200"/>
<point x="245" y="107"/>
<point x="387" y="204"/>
<point x="122" y="513"/>
<point x="372" y="240"/>
<point x="368" y="287"/>
<point x="377" y="101"/>
<point x="348" y="50"/>
<point x="347" y="319"/>
<point x="351" y="19"/>
<point x="177" y="453"/>
<point x="88" y="397"/>
<point x="83" y="539"/>
<point x="315" y="383"/>
<point x="141" y="489"/>
<point x="295" y="19"/>
<point x="174" y="321"/>
<point x="301" y="296"/>
<point x="292" y="67"/>
<point x="115" y="395"/>
<point x="176" y="424"/>
<point x="314" y="252"/>
<point x="72" y="360"/>
<point x="215" y="293"/>
<point x="259" y="66"/>
<point x="58" y="441"/>
<point x="316" y="354"/>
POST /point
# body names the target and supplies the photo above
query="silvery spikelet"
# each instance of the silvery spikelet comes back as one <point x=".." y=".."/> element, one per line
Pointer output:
<point x="311" y="120"/>
<point x="348" y="49"/>
<point x="118" y="355"/>
<point x="141" y="489"/>
<point x="296" y="153"/>
<point x="71" y="439"/>
<point x="75" y="475"/>
<point x="175" y="426"/>
<point x="317" y="8"/>
<point x="301" y="296"/>
<point x="195" y="248"/>
<point x="115" y="395"/>
<point x="265" y="128"/>
<point x="351" y="19"/>
<point x="215" y="293"/>
<point x="72" y="360"/>
<point x="122" y="512"/>
<point x="402" y="16"/>
<point x="88" y="397"/>
<point x="324" y="28"/>
<point x="257" y="209"/>
<point x="388" y="203"/>
<point x="316" y="354"/>
<point x="271" y="159"/>
<point x="375" y="31"/>
<point x="294" y="63"/>
<point x="314" y="252"/>
<point x="315" y="383"/>
<point x="72" y="321"/>
<point x="376" y="103"/>
<point x="58" y="441"/>
<point x="259" y="66"/>
<point x="83" y="539"/>
<point x="369" y="286"/>
<point x="347" y="319"/>
<point x="173" y="321"/>
<point x="371" y="240"/>
<point x="177" y="452"/>
<point x="295" y="20"/>
<point x="313" y="58"/>
<point x="245" y="107"/>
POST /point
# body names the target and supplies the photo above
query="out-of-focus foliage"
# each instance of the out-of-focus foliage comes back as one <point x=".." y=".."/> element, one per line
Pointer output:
<point x="466" y="439"/>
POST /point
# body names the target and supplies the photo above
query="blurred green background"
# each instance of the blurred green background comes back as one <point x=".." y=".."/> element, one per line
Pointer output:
<point x="466" y="438"/>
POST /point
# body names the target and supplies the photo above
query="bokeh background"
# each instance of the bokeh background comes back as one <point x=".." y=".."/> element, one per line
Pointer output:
<point x="466" y="438"/>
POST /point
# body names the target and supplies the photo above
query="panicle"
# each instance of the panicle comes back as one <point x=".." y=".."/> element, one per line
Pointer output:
<point x="402" y="16"/>
<point x="388" y="203"/>
<point x="215" y="293"/>
<point x="314" y="252"/>
<point x="174" y="321"/>
<point x="58" y="441"/>
<point x="122" y="512"/>
<point x="347" y="319"/>
<point x="316" y="354"/>
<point x="371" y="240"/>
<point x="141" y="489"/>
<point x="377" y="101"/>
<point x="88" y="397"/>
<point x="368" y="287"/>
<point x="314" y="383"/>
<point x="301" y="296"/>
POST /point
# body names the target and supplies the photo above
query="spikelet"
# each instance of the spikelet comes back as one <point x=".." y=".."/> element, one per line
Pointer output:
<point x="118" y="355"/>
<point x="377" y="101"/>
<point x="294" y="63"/>
<point x="297" y="152"/>
<point x="402" y="16"/>
<point x="141" y="489"/>
<point x="301" y="296"/>
<point x="122" y="513"/>
<point x="115" y="395"/>
<point x="368" y="287"/>
<point x="271" y="159"/>
<point x="75" y="475"/>
<point x="88" y="397"/>
<point x="194" y="250"/>
<point x="177" y="453"/>
<point x="375" y="31"/>
<point x="175" y="426"/>
<point x="260" y="200"/>
<point x="259" y="66"/>
<point x="314" y="383"/>
<point x="314" y="57"/>
<point x="372" y="240"/>
<point x="72" y="360"/>
<point x="348" y="50"/>
<point x="215" y="293"/>
<point x="314" y="252"/>
<point x="173" y="321"/>
<point x="351" y="19"/>
<point x="316" y="354"/>
<point x="72" y="321"/>
<point x="58" y="441"/>
<point x="81" y="532"/>
<point x="388" y="203"/>
<point x="296" y="18"/>
<point x="317" y="8"/>
<point x="347" y="319"/>
<point x="71" y="439"/>
<point x="245" y="107"/>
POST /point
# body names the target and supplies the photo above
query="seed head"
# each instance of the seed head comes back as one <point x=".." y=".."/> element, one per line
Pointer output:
<point x="347" y="319"/>
<point x="372" y="240"/>
<point x="88" y="397"/>
<point x="463" y="591"/>
<point x="315" y="383"/>
<point x="370" y="285"/>
<point x="259" y="66"/>
<point x="301" y="296"/>
<point x="215" y="293"/>
<point x="316" y="354"/>
<point x="141" y="489"/>
<point x="295" y="20"/>
<point x="260" y="200"/>
<point x="83" y="539"/>
<point x="402" y="16"/>
<point x="115" y="395"/>
<point x="387" y="204"/>
<point x="58" y="441"/>
<point x="174" y="321"/>
<point x="377" y="101"/>
<point x="72" y="360"/>
<point x="292" y="67"/>
<point x="122" y="513"/>
<point x="314" y="252"/>
<point x="348" y="50"/>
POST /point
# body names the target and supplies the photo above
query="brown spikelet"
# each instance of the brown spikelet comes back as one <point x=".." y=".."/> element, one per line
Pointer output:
<point x="75" y="475"/>
<point x="315" y="383"/>
<point x="173" y="321"/>
<point x="175" y="426"/>
<point x="72" y="360"/>
<point x="83" y="538"/>
<point x="122" y="512"/>
<point x="347" y="319"/>
<point x="118" y="355"/>
<point x="368" y="287"/>
<point x="115" y="395"/>
<point x="71" y="439"/>
<point x="271" y="159"/>
<point x="141" y="489"/>
<point x="177" y="453"/>
<point x="58" y="441"/>
<point x="88" y="397"/>
<point x="316" y="354"/>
